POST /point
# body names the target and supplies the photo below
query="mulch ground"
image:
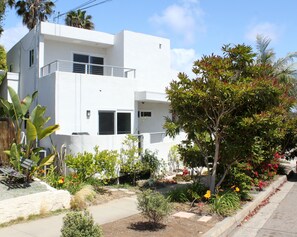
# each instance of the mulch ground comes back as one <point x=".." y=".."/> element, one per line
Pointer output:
<point x="136" y="226"/>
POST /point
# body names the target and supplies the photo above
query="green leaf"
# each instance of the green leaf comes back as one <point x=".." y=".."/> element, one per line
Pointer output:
<point x="48" y="160"/>
<point x="14" y="152"/>
<point x="25" y="104"/>
<point x="31" y="131"/>
<point x="48" y="131"/>
<point x="15" y="103"/>
<point x="7" y="107"/>
<point x="37" y="116"/>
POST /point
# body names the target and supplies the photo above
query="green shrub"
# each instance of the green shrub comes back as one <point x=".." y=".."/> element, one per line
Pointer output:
<point x="131" y="162"/>
<point x="80" y="224"/>
<point x="153" y="205"/>
<point x="178" y="194"/>
<point x="188" y="193"/>
<point x="87" y="164"/>
<point x="151" y="162"/>
<point x="225" y="204"/>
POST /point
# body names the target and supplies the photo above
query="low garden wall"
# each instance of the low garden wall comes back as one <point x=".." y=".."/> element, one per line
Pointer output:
<point x="33" y="204"/>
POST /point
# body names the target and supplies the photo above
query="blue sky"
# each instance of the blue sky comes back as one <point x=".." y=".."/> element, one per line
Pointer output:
<point x="195" y="27"/>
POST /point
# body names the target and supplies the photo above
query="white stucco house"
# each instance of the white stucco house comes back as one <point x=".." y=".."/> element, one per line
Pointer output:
<point x="97" y="86"/>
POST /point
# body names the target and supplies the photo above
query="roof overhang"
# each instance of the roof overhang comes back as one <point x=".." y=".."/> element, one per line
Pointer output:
<point x="148" y="96"/>
<point x="76" y="35"/>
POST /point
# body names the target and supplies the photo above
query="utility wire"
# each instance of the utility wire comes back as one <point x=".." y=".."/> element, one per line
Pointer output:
<point x="82" y="7"/>
<point x="99" y="3"/>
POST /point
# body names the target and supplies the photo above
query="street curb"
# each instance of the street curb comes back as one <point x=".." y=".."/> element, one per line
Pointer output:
<point x="223" y="228"/>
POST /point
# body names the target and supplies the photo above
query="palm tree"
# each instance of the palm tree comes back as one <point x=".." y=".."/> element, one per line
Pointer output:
<point x="79" y="19"/>
<point x="32" y="11"/>
<point x="283" y="68"/>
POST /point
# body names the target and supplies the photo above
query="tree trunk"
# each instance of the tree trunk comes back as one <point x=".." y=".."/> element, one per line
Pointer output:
<point x="215" y="163"/>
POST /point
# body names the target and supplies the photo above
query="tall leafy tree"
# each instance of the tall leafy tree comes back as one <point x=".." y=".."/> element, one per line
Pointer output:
<point x="79" y="19"/>
<point x="32" y="11"/>
<point x="228" y="91"/>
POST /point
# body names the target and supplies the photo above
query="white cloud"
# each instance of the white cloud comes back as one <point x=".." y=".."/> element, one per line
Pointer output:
<point x="183" y="19"/>
<point x="182" y="60"/>
<point x="266" y="29"/>
<point x="12" y="35"/>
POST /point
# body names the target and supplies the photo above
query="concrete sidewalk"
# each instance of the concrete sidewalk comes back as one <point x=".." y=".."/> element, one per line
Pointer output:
<point x="51" y="226"/>
<point x="278" y="218"/>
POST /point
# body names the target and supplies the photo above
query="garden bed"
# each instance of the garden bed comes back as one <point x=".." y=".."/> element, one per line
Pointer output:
<point x="136" y="226"/>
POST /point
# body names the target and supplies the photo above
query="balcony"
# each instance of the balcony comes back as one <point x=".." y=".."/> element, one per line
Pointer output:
<point x="87" y="68"/>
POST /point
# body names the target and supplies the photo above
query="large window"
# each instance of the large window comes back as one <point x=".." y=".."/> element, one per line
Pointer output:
<point x="124" y="123"/>
<point x="88" y="64"/>
<point x="108" y="125"/>
<point x="106" y="122"/>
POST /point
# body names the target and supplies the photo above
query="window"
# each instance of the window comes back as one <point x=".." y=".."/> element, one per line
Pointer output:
<point x="82" y="60"/>
<point x="124" y="123"/>
<point x="86" y="62"/>
<point x="96" y="70"/>
<point x="144" y="114"/>
<point x="31" y="57"/>
<point x="106" y="122"/>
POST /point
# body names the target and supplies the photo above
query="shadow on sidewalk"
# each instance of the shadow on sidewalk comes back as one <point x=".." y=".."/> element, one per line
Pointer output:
<point x="292" y="176"/>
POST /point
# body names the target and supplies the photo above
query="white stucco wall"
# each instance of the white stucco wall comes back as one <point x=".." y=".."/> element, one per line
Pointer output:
<point x="60" y="50"/>
<point x="150" y="55"/>
<point x="47" y="96"/>
<point x="77" y="93"/>
<point x="68" y="33"/>
<point x="155" y="123"/>
<point x="18" y="57"/>
<point x="12" y="80"/>
<point x="115" y="54"/>
<point x="75" y="144"/>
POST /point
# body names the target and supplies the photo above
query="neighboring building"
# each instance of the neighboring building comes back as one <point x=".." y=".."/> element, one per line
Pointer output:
<point x="95" y="83"/>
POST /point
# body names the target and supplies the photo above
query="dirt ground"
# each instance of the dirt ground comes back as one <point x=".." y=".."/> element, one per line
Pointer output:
<point x="137" y="225"/>
<point x="105" y="195"/>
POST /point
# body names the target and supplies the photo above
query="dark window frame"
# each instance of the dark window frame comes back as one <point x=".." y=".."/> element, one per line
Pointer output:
<point x="31" y="58"/>
<point x="91" y="61"/>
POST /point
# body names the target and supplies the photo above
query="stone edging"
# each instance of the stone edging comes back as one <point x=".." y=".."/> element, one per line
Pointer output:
<point x="223" y="228"/>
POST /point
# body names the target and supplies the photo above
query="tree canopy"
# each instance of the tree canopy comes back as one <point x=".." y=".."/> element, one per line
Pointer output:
<point x="79" y="19"/>
<point x="229" y="96"/>
<point x="2" y="11"/>
<point x="32" y="11"/>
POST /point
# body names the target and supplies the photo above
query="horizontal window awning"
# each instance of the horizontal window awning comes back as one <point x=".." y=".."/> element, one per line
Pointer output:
<point x="151" y="96"/>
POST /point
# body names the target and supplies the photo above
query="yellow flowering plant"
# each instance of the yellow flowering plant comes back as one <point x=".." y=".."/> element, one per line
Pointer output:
<point x="207" y="195"/>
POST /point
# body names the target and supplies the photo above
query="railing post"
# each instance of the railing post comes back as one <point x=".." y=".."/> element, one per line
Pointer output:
<point x="111" y="71"/>
<point x="86" y="68"/>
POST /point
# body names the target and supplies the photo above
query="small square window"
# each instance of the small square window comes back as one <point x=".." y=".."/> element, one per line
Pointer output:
<point x="145" y="114"/>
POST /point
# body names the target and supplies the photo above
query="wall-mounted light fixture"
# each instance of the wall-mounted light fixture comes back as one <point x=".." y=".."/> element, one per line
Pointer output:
<point x="88" y="114"/>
